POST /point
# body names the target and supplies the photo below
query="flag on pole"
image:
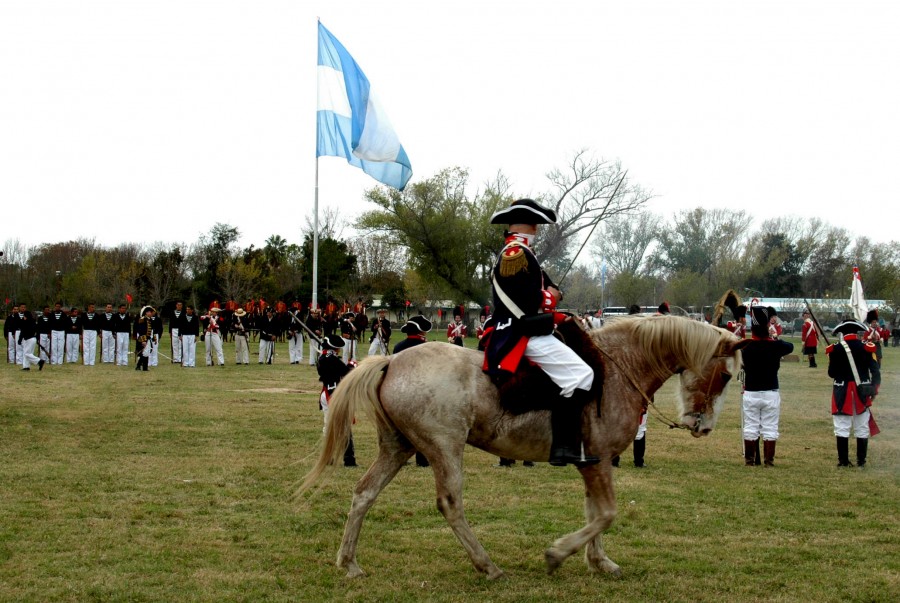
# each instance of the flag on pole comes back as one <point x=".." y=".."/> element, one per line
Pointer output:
<point x="350" y="123"/>
<point x="857" y="299"/>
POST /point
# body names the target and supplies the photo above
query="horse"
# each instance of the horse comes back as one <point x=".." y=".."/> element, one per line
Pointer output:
<point x="435" y="398"/>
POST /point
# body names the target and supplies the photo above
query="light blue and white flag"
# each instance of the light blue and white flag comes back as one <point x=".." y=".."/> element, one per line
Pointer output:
<point x="350" y="121"/>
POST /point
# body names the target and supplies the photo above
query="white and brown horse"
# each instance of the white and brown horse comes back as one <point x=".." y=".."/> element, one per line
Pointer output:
<point x="435" y="398"/>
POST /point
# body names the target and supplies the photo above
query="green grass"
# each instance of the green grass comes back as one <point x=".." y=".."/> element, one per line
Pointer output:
<point x="177" y="485"/>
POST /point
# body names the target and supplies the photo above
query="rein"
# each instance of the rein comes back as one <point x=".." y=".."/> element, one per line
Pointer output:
<point x="649" y="404"/>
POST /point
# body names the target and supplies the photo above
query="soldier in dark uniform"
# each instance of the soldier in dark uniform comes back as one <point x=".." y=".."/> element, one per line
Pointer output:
<point x="331" y="370"/>
<point x="143" y="338"/>
<point x="90" y="327"/>
<point x="349" y="335"/>
<point x="44" y="326"/>
<point x="416" y="329"/>
<point x="27" y="337"/>
<point x="269" y="330"/>
<point x="188" y="330"/>
<point x="315" y="324"/>
<point x="381" y="334"/>
<point x="850" y="400"/>
<point x="175" y="330"/>
<point x="524" y="300"/>
<point x="57" y="334"/>
<point x="157" y="328"/>
<point x="107" y="336"/>
<point x="122" y="329"/>
<point x="9" y="334"/>
<point x="73" y="335"/>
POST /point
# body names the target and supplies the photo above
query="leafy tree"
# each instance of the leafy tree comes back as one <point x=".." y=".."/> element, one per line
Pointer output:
<point x="624" y="242"/>
<point x="337" y="268"/>
<point x="776" y="268"/>
<point x="701" y="241"/>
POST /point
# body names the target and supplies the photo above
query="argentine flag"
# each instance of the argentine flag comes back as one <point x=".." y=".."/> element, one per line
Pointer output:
<point x="350" y="122"/>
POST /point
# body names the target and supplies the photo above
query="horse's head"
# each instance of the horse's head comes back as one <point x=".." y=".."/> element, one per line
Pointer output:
<point x="702" y="392"/>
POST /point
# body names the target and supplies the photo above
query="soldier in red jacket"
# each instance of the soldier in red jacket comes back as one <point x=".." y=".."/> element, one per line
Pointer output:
<point x="810" y="339"/>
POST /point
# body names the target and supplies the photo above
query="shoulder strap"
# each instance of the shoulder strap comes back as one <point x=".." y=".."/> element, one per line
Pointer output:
<point x="507" y="300"/>
<point x="852" y="361"/>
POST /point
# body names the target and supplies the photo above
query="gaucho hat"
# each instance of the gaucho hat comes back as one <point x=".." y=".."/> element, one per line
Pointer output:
<point x="524" y="211"/>
<point x="416" y="324"/>
<point x="849" y="327"/>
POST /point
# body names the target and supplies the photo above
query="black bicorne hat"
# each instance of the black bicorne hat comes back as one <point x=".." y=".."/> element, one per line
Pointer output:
<point x="348" y="315"/>
<point x="871" y="315"/>
<point x="849" y="327"/>
<point x="759" y="321"/>
<point x="415" y="325"/>
<point x="524" y="211"/>
<point x="332" y="342"/>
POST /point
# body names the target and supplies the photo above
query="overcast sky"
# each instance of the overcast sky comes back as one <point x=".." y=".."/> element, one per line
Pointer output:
<point x="145" y="121"/>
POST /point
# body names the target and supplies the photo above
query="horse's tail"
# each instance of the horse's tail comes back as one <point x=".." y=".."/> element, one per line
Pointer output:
<point x="360" y="385"/>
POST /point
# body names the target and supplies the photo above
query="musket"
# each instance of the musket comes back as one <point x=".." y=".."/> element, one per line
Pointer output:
<point x="379" y="333"/>
<point x="312" y="334"/>
<point x="590" y="234"/>
<point x="816" y="322"/>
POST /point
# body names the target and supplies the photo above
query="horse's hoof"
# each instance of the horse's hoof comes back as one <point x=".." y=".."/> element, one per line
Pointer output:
<point x="553" y="560"/>
<point x="495" y="574"/>
<point x="354" y="572"/>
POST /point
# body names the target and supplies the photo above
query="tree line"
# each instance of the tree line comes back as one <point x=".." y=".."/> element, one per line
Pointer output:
<point x="434" y="241"/>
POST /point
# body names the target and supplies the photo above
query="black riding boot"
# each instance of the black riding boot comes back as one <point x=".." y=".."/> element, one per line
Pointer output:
<point x="749" y="452"/>
<point x="862" y="447"/>
<point x="639" y="446"/>
<point x="565" y="421"/>
<point x="757" y="459"/>
<point x="843" y="448"/>
<point x="350" y="453"/>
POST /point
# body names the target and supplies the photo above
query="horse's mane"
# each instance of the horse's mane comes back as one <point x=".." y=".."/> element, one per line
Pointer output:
<point x="693" y="343"/>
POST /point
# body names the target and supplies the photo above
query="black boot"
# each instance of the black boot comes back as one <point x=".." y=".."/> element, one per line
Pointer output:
<point x="350" y="454"/>
<point x="750" y="452"/>
<point x="757" y="458"/>
<point x="862" y="447"/>
<point x="769" y="452"/>
<point x="639" y="446"/>
<point x="565" y="421"/>
<point x="843" y="447"/>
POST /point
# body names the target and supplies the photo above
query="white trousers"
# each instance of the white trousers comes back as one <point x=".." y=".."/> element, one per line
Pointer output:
<point x="11" y="344"/>
<point x="18" y="347"/>
<point x="295" y="348"/>
<point x="314" y="351"/>
<point x="214" y="346"/>
<point x="176" y="346"/>
<point x="107" y="346"/>
<point x="349" y="352"/>
<point x="859" y="423"/>
<point x="266" y="351"/>
<point x="154" y="353"/>
<point x="57" y="346"/>
<point x="122" y="340"/>
<point x="89" y="342"/>
<point x="189" y="350"/>
<point x="28" y="357"/>
<point x="377" y="348"/>
<point x="43" y="344"/>
<point x="73" y="343"/>
<point x="761" y="411"/>
<point x="564" y="367"/>
<point x="642" y="428"/>
<point x="241" y="349"/>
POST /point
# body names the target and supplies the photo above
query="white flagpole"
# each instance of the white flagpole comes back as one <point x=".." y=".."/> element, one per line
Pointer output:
<point x="315" y="266"/>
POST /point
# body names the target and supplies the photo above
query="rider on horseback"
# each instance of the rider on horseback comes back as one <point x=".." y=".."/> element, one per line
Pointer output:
<point x="523" y="323"/>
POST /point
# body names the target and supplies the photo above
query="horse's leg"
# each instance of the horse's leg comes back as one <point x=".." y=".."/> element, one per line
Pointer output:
<point x="600" y="508"/>
<point x="392" y="454"/>
<point x="446" y="462"/>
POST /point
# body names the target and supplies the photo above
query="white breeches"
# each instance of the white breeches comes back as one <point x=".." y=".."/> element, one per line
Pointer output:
<point x="859" y="423"/>
<point x="266" y="351"/>
<point x="89" y="342"/>
<point x="154" y="352"/>
<point x="73" y="343"/>
<point x="18" y="348"/>
<point x="323" y="404"/>
<point x="28" y="357"/>
<point x="241" y="349"/>
<point x="43" y="340"/>
<point x="314" y="351"/>
<point x="760" y="412"/>
<point x="564" y="367"/>
<point x="642" y="428"/>
<point x="107" y="346"/>
<point x="189" y="350"/>
<point x="176" y="346"/>
<point x="377" y="348"/>
<point x="57" y="346"/>
<point x="214" y="348"/>
<point x="349" y="352"/>
<point x="11" y="345"/>
<point x="295" y="348"/>
<point x="122" y="340"/>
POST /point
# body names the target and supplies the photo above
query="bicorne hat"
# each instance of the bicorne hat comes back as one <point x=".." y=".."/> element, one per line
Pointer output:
<point x="849" y="327"/>
<point x="416" y="325"/>
<point x="332" y="342"/>
<point x="348" y="315"/>
<point x="146" y="309"/>
<point x="759" y="321"/>
<point x="524" y="211"/>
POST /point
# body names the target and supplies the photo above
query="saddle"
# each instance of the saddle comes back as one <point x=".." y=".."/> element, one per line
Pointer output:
<point x="529" y="388"/>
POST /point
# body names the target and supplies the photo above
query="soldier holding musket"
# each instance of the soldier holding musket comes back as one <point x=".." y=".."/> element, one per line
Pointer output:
<point x="314" y="322"/>
<point x="348" y="334"/>
<point x="241" y="336"/>
<point x="295" y="335"/>
<point x="381" y="334"/>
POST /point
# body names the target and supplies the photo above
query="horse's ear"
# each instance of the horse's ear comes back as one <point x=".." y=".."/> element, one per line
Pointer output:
<point x="733" y="347"/>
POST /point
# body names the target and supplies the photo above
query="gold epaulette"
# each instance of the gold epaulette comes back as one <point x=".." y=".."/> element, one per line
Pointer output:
<point x="513" y="260"/>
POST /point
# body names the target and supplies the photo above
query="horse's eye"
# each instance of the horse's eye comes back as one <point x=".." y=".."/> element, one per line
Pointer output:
<point x="726" y="377"/>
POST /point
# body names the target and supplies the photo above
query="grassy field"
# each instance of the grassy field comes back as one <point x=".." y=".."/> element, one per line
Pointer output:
<point x="177" y="485"/>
